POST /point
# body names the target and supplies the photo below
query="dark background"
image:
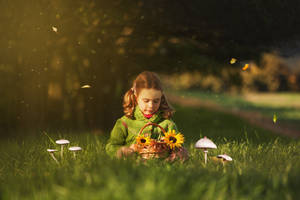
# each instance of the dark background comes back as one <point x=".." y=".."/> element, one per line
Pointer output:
<point x="105" y="44"/>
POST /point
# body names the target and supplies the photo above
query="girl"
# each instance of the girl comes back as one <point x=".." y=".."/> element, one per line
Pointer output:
<point x="145" y="102"/>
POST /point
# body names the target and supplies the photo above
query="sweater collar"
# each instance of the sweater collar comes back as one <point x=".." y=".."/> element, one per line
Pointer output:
<point x="138" y="114"/>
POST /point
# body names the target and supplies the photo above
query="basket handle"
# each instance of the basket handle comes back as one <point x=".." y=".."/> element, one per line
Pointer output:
<point x="153" y="124"/>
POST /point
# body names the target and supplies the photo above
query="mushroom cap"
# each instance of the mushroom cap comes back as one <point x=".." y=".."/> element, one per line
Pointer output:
<point x="205" y="143"/>
<point x="51" y="150"/>
<point x="62" y="141"/>
<point x="75" y="148"/>
<point x="225" y="157"/>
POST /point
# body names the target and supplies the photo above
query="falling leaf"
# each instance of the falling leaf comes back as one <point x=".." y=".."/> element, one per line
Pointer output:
<point x="246" y="67"/>
<point x="232" y="61"/>
<point x="54" y="29"/>
<point x="274" y="118"/>
<point x="86" y="86"/>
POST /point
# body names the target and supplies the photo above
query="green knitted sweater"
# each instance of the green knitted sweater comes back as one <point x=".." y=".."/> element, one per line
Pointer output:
<point x="126" y="129"/>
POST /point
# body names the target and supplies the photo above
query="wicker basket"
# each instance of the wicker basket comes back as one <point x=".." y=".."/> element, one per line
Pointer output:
<point x="157" y="148"/>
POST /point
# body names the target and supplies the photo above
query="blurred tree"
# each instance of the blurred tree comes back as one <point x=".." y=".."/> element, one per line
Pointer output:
<point x="51" y="48"/>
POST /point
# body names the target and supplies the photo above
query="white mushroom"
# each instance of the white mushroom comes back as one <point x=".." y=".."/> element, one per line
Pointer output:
<point x="62" y="142"/>
<point x="74" y="149"/>
<point x="205" y="144"/>
<point x="225" y="158"/>
<point x="51" y="152"/>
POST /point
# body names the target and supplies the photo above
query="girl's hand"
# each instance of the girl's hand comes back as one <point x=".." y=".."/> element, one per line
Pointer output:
<point x="181" y="154"/>
<point x="133" y="147"/>
<point x="125" y="152"/>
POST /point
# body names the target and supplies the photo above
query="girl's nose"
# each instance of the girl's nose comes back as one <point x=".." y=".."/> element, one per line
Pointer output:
<point x="150" y="104"/>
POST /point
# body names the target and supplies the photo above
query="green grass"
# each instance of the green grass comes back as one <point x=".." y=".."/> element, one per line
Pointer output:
<point x="286" y="106"/>
<point x="265" y="166"/>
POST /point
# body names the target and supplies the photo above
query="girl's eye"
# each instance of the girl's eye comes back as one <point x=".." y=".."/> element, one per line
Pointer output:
<point x="146" y="101"/>
<point x="155" y="101"/>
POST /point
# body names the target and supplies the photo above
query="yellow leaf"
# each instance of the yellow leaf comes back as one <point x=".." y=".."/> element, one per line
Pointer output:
<point x="232" y="61"/>
<point x="54" y="29"/>
<point x="274" y="118"/>
<point x="246" y="67"/>
<point x="86" y="86"/>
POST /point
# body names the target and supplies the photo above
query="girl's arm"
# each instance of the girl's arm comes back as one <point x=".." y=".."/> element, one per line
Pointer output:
<point x="172" y="126"/>
<point x="117" y="138"/>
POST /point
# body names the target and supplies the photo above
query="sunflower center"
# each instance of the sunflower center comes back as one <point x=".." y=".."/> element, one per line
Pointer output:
<point x="143" y="141"/>
<point x="172" y="139"/>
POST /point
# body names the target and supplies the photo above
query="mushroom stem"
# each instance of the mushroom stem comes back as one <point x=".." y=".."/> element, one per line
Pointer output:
<point x="74" y="150"/>
<point x="62" y="151"/>
<point x="52" y="155"/>
<point x="205" y="156"/>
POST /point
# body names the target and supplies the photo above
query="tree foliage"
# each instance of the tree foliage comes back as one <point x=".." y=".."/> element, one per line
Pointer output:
<point x="50" y="49"/>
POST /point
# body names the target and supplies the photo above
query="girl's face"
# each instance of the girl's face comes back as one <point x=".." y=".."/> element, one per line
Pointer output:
<point x="149" y="100"/>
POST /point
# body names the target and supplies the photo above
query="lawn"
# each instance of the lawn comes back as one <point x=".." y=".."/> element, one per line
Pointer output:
<point x="265" y="165"/>
<point x="286" y="106"/>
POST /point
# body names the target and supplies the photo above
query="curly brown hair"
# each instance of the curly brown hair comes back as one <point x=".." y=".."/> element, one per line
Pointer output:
<point x="148" y="80"/>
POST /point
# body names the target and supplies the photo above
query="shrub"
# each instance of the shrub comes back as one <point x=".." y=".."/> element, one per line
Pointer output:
<point x="273" y="74"/>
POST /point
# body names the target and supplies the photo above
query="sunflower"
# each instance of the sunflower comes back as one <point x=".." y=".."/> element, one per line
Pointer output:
<point x="142" y="140"/>
<point x="173" y="140"/>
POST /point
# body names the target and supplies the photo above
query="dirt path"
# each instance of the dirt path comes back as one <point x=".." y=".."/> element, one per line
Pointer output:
<point x="253" y="117"/>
